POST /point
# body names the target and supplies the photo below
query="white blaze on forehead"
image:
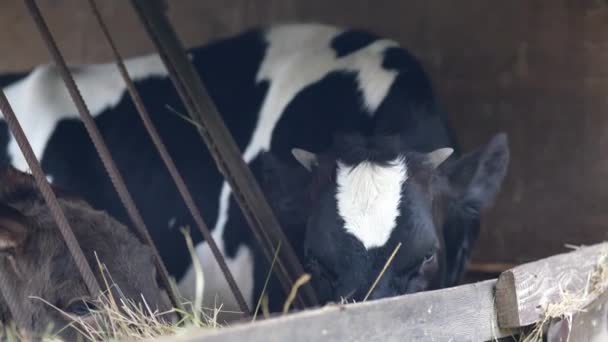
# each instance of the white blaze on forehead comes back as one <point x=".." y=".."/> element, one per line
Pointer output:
<point x="368" y="199"/>
<point x="299" y="55"/>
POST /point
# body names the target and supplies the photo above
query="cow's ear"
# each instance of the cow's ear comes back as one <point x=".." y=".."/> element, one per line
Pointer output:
<point x="477" y="176"/>
<point x="475" y="180"/>
<point x="438" y="156"/>
<point x="307" y="159"/>
<point x="13" y="228"/>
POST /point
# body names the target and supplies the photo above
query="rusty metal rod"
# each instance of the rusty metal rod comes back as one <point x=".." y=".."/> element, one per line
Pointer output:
<point x="169" y="163"/>
<point x="101" y="148"/>
<point x="147" y="10"/>
<point x="49" y="196"/>
<point x="226" y="154"/>
<point x="19" y="310"/>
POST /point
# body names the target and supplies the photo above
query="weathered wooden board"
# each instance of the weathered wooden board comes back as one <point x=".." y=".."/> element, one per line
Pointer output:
<point x="590" y="325"/>
<point x="464" y="313"/>
<point x="523" y="292"/>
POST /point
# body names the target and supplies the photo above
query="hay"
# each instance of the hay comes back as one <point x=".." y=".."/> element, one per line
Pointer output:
<point x="388" y="262"/>
<point x="572" y="302"/>
<point x="125" y="320"/>
<point x="303" y="279"/>
<point x="121" y="319"/>
<point x="263" y="297"/>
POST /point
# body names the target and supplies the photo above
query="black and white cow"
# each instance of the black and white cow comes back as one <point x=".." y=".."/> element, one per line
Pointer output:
<point x="341" y="127"/>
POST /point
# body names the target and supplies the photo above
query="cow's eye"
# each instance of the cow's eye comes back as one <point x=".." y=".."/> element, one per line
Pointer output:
<point x="428" y="258"/>
<point x="80" y="307"/>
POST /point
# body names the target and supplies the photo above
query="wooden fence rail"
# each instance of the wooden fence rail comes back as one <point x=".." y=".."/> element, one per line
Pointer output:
<point x="461" y="313"/>
<point x="522" y="292"/>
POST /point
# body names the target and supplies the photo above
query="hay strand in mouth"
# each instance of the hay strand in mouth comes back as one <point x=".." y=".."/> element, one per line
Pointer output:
<point x="388" y="262"/>
<point x="274" y="259"/>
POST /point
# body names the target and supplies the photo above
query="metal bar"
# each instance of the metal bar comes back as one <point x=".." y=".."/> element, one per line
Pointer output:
<point x="100" y="146"/>
<point x="169" y="163"/>
<point x="227" y="156"/>
<point x="17" y="309"/>
<point x="261" y="237"/>
<point x="49" y="196"/>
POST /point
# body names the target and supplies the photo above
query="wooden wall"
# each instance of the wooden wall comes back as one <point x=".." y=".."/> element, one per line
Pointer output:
<point x="537" y="69"/>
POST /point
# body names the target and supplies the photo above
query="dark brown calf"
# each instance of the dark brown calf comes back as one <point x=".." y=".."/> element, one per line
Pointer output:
<point x="39" y="268"/>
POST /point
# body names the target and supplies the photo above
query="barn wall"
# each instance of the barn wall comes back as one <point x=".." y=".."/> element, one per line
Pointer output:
<point x="535" y="69"/>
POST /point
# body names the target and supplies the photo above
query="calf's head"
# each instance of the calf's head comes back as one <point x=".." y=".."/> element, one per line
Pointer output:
<point x="365" y="196"/>
<point x="37" y="263"/>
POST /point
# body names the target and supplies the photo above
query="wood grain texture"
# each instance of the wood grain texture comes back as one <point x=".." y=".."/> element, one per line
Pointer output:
<point x="590" y="325"/>
<point x="464" y="313"/>
<point x="523" y="292"/>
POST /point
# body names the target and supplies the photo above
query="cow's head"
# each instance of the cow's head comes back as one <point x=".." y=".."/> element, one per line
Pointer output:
<point x="41" y="271"/>
<point x="363" y="197"/>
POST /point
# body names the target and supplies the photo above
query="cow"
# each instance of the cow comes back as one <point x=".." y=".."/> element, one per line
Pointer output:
<point x="41" y="272"/>
<point x="342" y="129"/>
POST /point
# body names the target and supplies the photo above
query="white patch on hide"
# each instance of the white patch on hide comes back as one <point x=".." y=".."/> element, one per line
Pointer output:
<point x="41" y="99"/>
<point x="217" y="292"/>
<point x="300" y="55"/>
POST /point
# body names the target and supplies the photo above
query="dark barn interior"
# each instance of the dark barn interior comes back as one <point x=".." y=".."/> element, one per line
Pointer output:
<point x="534" y="69"/>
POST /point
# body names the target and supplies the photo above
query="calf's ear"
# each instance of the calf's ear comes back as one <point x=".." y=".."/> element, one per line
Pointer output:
<point x="437" y="157"/>
<point x="13" y="227"/>
<point x="475" y="180"/>
<point x="477" y="176"/>
<point x="307" y="159"/>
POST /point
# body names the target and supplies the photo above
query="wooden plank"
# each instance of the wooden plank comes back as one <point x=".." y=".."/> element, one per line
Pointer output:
<point x="489" y="267"/>
<point x="590" y="325"/>
<point x="463" y="313"/>
<point x="523" y="292"/>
